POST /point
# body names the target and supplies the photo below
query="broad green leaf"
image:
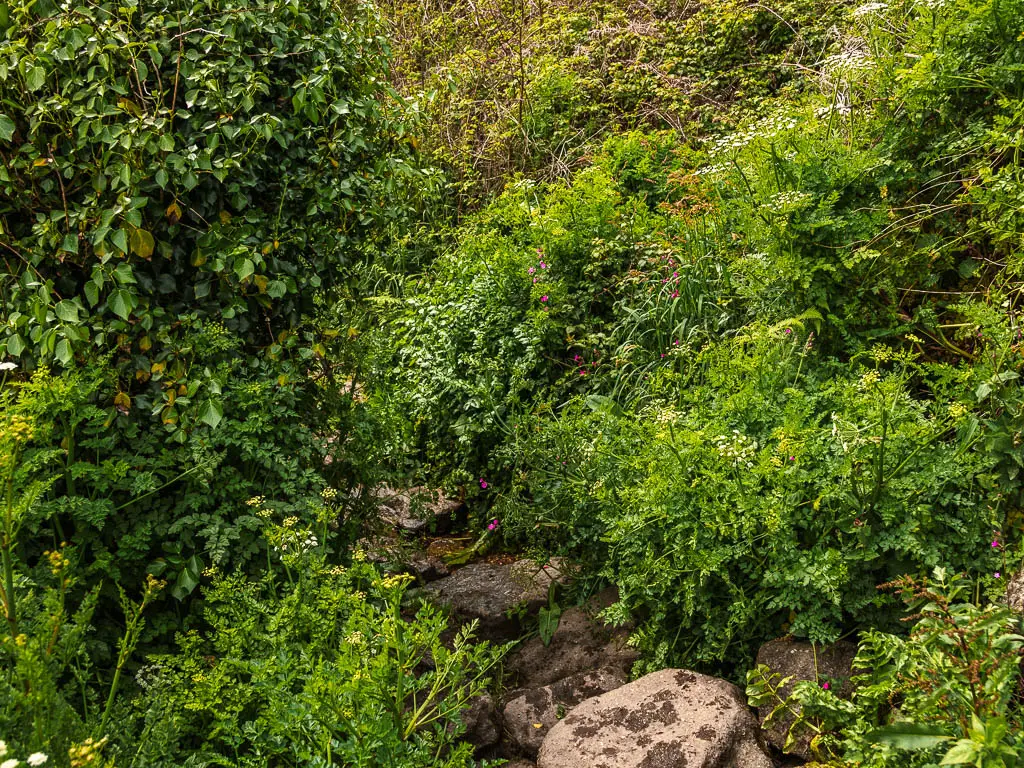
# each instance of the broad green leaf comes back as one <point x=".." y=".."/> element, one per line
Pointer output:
<point x="120" y="239"/>
<point x="63" y="351"/>
<point x="35" y="78"/>
<point x="964" y="751"/>
<point x="243" y="268"/>
<point x="120" y="303"/>
<point x="211" y="412"/>
<point x="142" y="243"/>
<point x="70" y="243"/>
<point x="92" y="293"/>
<point x="67" y="311"/>
<point x="15" y="345"/>
<point x="6" y="127"/>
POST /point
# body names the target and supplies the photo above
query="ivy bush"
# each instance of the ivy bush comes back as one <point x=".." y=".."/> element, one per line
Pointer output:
<point x="183" y="187"/>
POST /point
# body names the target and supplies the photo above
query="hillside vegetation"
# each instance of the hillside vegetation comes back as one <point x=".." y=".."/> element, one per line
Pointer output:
<point x="717" y="301"/>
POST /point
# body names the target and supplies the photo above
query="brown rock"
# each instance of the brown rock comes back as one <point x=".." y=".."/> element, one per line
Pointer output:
<point x="417" y="510"/>
<point x="803" y="661"/>
<point x="669" y="719"/>
<point x="483" y="723"/>
<point x="582" y="642"/>
<point x="487" y="593"/>
<point x="529" y="715"/>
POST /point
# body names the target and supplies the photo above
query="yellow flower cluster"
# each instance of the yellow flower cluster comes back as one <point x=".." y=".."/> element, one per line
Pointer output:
<point x="58" y="561"/>
<point x="86" y="753"/>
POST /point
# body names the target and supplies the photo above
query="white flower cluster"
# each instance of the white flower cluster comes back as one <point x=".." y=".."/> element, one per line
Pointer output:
<point x="737" y="448"/>
<point x="766" y="129"/>
<point x="869" y="9"/>
<point x="849" y="60"/>
<point x="35" y="759"/>
<point x="302" y="544"/>
<point x="789" y="199"/>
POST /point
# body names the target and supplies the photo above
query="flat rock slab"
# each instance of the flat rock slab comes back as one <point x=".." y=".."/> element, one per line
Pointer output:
<point x="529" y="715"/>
<point x="582" y="642"/>
<point x="490" y="594"/>
<point x="832" y="664"/>
<point x="669" y="719"/>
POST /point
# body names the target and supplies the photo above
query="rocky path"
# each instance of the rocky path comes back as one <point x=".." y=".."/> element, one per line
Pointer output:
<point x="569" y="703"/>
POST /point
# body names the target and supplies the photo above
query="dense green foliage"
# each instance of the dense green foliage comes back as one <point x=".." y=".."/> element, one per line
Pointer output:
<point x="718" y="302"/>
<point x="180" y="182"/>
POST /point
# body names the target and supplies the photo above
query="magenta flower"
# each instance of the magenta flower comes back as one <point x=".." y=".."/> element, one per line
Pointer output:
<point x="675" y="294"/>
<point x="493" y="525"/>
<point x="543" y="265"/>
<point x="996" y="574"/>
<point x="483" y="483"/>
<point x="531" y="270"/>
<point x="825" y="686"/>
<point x="789" y="331"/>
<point x="544" y="297"/>
<point x="535" y="280"/>
<point x="995" y="544"/>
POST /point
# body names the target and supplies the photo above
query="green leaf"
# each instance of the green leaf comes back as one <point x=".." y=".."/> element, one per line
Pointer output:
<point x="244" y="268"/>
<point x="67" y="311"/>
<point x="92" y="293"/>
<point x="211" y="412"/>
<point x="120" y="303"/>
<point x="63" y="351"/>
<point x="142" y="243"/>
<point x="908" y="736"/>
<point x="120" y="239"/>
<point x="15" y="345"/>
<point x="6" y="127"/>
<point x="35" y="78"/>
<point x="964" y="751"/>
<point x="70" y="243"/>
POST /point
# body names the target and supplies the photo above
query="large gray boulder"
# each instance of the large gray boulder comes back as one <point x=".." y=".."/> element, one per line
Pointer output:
<point x="581" y="643"/>
<point x="669" y="719"/>
<point x="492" y="594"/>
<point x="529" y="715"/>
<point x="829" y="664"/>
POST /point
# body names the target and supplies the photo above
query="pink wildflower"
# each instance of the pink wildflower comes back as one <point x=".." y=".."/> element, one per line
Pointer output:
<point x="531" y="270"/>
<point x="995" y="544"/>
<point x="544" y="298"/>
<point x="483" y="483"/>
<point x="543" y="265"/>
<point x="493" y="525"/>
<point x="825" y="686"/>
<point x="996" y="574"/>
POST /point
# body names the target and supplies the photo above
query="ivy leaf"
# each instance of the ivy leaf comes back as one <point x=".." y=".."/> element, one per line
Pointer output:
<point x="70" y="243"/>
<point x="6" y="127"/>
<point x="211" y="412"/>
